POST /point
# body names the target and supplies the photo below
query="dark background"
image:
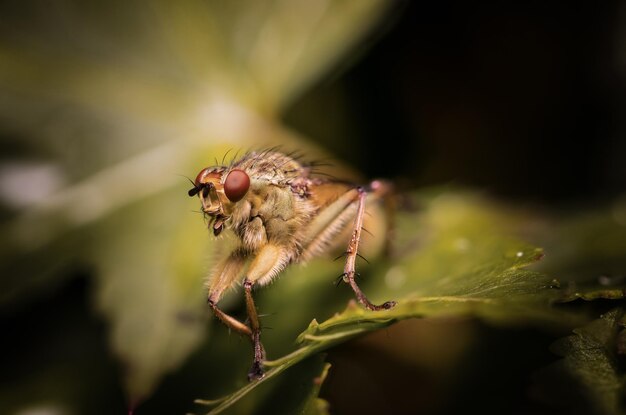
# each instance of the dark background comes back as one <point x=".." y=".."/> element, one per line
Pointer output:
<point x="522" y="98"/>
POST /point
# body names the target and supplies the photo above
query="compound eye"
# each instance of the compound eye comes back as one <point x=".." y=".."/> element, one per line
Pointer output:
<point x="236" y="185"/>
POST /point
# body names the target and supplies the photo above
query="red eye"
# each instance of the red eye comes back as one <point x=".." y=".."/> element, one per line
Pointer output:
<point x="236" y="185"/>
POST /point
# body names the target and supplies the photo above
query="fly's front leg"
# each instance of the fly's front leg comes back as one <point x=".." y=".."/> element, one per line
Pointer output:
<point x="349" y="270"/>
<point x="270" y="260"/>
<point x="223" y="278"/>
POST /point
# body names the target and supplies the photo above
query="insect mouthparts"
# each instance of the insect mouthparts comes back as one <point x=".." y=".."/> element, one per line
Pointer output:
<point x="218" y="226"/>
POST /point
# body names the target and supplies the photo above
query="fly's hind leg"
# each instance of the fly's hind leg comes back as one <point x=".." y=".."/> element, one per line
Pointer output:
<point x="335" y="217"/>
<point x="349" y="270"/>
<point x="270" y="260"/>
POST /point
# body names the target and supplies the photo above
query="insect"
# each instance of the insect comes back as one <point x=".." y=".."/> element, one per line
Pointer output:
<point x="280" y="212"/>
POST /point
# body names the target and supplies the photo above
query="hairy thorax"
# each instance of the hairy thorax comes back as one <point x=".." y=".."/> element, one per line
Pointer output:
<point x="277" y="208"/>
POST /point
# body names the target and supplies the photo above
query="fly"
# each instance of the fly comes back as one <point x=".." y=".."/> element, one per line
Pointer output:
<point x="280" y="213"/>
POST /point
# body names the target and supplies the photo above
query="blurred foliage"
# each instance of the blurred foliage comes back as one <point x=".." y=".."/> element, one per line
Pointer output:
<point x="120" y="101"/>
<point x="105" y="107"/>
<point x="593" y="364"/>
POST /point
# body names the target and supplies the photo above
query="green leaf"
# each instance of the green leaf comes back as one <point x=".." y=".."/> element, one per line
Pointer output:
<point x="458" y="258"/>
<point x="586" y="245"/>
<point x="297" y="391"/>
<point x="120" y="101"/>
<point x="591" y="368"/>
<point x="148" y="286"/>
<point x="314" y="405"/>
<point x="586" y="252"/>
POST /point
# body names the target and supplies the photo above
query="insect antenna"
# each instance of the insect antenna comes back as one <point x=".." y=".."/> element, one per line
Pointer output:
<point x="187" y="177"/>
<point x="193" y="191"/>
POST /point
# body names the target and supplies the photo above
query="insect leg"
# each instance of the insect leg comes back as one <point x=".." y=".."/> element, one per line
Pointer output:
<point x="256" y="371"/>
<point x="223" y="278"/>
<point x="349" y="270"/>
<point x="270" y="260"/>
